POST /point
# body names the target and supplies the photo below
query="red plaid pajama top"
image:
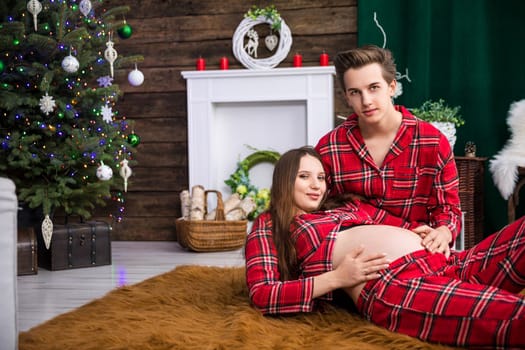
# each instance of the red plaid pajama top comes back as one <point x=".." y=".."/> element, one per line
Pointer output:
<point x="417" y="181"/>
<point x="314" y="234"/>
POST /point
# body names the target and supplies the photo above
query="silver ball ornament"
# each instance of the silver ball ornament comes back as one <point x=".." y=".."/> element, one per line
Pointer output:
<point x="104" y="172"/>
<point x="135" y="77"/>
<point x="85" y="7"/>
<point x="70" y="64"/>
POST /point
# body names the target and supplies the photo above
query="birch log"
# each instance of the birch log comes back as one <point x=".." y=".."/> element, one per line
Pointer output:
<point x="185" y="204"/>
<point x="197" y="203"/>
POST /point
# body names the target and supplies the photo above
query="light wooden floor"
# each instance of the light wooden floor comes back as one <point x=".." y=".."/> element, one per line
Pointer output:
<point x="50" y="293"/>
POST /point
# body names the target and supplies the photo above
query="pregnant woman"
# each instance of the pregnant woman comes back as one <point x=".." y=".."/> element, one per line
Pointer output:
<point x="297" y="256"/>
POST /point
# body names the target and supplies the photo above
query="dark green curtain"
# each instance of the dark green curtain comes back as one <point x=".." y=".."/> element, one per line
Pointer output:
<point x="470" y="53"/>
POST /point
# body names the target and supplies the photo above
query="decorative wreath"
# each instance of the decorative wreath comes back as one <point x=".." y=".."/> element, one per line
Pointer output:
<point x="252" y="18"/>
<point x="239" y="181"/>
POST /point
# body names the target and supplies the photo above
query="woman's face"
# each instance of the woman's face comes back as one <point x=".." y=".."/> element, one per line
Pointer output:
<point x="310" y="185"/>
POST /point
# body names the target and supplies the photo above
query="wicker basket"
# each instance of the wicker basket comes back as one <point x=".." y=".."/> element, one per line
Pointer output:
<point x="211" y="235"/>
<point x="471" y="194"/>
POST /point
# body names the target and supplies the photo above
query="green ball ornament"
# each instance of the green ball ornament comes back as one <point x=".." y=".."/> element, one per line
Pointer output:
<point x="2" y="66"/>
<point x="125" y="31"/>
<point x="134" y="140"/>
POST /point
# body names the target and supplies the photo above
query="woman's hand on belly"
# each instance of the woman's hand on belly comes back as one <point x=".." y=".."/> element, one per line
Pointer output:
<point x="357" y="267"/>
<point x="351" y="273"/>
<point x="362" y="251"/>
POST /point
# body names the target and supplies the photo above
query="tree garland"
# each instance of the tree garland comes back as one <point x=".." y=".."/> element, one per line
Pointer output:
<point x="239" y="181"/>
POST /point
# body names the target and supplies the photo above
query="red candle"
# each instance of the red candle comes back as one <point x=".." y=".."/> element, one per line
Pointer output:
<point x="323" y="59"/>
<point x="224" y="64"/>
<point x="200" y="64"/>
<point x="297" y="60"/>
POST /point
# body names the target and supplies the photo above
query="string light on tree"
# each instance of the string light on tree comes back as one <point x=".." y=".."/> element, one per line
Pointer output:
<point x="52" y="127"/>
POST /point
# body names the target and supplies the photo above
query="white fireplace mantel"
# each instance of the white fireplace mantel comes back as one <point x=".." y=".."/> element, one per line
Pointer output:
<point x="275" y="109"/>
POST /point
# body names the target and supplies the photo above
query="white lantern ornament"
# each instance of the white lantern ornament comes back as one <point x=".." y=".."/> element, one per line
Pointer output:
<point x="110" y="55"/>
<point x="34" y="7"/>
<point x="70" y="64"/>
<point x="135" y="77"/>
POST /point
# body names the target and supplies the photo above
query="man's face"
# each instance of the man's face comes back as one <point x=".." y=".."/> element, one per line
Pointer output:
<point x="367" y="92"/>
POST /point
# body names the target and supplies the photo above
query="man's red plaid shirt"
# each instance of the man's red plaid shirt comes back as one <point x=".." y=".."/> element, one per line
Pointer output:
<point x="418" y="180"/>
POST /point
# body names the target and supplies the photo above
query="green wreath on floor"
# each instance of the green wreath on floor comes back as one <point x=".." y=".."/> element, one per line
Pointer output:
<point x="239" y="182"/>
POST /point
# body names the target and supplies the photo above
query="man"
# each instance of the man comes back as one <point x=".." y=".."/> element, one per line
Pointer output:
<point x="383" y="154"/>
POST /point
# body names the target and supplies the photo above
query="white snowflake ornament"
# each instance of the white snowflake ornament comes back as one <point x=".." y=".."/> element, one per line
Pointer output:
<point x="104" y="172"/>
<point x="47" y="104"/>
<point x="105" y="81"/>
<point x="107" y="113"/>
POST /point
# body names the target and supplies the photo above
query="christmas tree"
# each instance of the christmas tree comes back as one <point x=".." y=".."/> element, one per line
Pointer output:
<point x="61" y="139"/>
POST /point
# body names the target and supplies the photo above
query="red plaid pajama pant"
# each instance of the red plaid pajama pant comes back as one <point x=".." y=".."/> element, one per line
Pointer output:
<point x="471" y="299"/>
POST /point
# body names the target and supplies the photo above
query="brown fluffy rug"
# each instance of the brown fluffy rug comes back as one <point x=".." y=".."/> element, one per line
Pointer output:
<point x="195" y="307"/>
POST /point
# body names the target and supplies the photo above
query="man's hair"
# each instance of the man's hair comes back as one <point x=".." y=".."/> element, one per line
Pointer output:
<point x="362" y="56"/>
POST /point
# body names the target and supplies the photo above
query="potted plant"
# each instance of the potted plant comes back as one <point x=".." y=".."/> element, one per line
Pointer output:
<point x="442" y="116"/>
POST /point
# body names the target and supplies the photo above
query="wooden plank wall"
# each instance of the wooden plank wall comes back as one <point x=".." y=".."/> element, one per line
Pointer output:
<point x="171" y="34"/>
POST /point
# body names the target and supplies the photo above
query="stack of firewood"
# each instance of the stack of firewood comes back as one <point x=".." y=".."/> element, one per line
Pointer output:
<point x="193" y="207"/>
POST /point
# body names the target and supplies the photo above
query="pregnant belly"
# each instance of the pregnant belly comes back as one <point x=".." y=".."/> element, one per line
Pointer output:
<point x="395" y="242"/>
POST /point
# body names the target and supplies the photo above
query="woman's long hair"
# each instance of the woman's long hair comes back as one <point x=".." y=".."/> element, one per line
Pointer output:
<point x="283" y="209"/>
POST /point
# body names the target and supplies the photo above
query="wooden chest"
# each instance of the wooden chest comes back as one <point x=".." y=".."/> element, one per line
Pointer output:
<point x="76" y="245"/>
<point x="26" y="252"/>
